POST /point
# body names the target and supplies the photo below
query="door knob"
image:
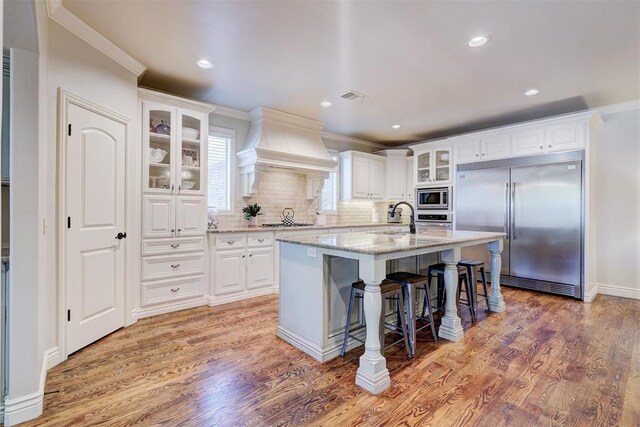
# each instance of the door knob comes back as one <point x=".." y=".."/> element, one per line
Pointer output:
<point x="121" y="236"/>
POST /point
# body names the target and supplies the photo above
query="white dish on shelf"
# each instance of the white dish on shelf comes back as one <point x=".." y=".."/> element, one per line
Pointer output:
<point x="190" y="133"/>
<point x="188" y="185"/>
<point x="157" y="155"/>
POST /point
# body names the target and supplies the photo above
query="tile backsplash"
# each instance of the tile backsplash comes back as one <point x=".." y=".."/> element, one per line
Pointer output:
<point x="279" y="189"/>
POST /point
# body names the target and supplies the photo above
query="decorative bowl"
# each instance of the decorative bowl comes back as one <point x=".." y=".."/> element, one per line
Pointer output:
<point x="188" y="185"/>
<point x="157" y="155"/>
<point x="190" y="133"/>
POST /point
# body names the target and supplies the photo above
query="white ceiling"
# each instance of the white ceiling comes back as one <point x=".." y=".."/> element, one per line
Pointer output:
<point x="409" y="57"/>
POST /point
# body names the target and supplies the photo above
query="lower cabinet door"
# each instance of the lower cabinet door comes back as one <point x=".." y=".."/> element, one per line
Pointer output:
<point x="158" y="216"/>
<point x="190" y="216"/>
<point x="260" y="268"/>
<point x="229" y="271"/>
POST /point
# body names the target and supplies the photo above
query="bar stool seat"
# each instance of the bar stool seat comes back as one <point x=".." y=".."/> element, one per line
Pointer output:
<point x="411" y="283"/>
<point x="390" y="291"/>
<point x="438" y="270"/>
<point x="472" y="265"/>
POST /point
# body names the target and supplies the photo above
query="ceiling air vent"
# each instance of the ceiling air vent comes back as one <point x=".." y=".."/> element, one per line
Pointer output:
<point x="352" y="96"/>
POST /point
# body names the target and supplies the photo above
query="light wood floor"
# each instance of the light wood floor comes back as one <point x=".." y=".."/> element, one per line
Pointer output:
<point x="547" y="361"/>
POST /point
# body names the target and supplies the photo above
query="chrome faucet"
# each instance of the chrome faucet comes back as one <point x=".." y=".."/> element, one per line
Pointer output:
<point x="412" y="222"/>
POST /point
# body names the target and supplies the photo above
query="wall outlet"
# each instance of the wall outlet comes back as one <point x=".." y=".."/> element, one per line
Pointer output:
<point x="311" y="252"/>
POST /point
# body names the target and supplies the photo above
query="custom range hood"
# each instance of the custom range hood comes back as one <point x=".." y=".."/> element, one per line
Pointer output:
<point x="284" y="141"/>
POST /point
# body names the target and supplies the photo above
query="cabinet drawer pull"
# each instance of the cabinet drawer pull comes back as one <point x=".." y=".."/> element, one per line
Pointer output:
<point x="230" y="242"/>
<point x="175" y="289"/>
<point x="250" y="255"/>
<point x="175" y="265"/>
<point x="175" y="245"/>
<point x="260" y="240"/>
<point x="179" y="230"/>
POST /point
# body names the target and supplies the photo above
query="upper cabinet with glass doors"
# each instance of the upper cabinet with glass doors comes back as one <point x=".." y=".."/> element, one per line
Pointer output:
<point x="432" y="164"/>
<point x="174" y="149"/>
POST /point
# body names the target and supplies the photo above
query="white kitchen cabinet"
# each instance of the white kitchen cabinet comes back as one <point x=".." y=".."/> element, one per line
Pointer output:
<point x="410" y="192"/>
<point x="260" y="266"/>
<point x="433" y="164"/>
<point x="482" y="147"/>
<point x="565" y="136"/>
<point x="229" y="271"/>
<point x="242" y="264"/>
<point x="362" y="175"/>
<point x="527" y="142"/>
<point x="395" y="182"/>
<point x="174" y="212"/>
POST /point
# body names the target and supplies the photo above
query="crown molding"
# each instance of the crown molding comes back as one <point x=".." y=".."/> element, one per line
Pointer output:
<point x="350" y="140"/>
<point x="59" y="14"/>
<point x="158" y="96"/>
<point x="618" y="108"/>
<point x="234" y="114"/>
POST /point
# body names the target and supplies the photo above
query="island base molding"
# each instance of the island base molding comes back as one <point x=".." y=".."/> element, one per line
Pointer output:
<point x="321" y="354"/>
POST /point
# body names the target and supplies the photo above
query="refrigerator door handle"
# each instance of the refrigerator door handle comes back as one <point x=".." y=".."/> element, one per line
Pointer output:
<point x="506" y="209"/>
<point x="513" y="211"/>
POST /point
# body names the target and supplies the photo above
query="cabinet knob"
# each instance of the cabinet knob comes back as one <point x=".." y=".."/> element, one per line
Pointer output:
<point x="483" y="154"/>
<point x="477" y="155"/>
<point x="549" y="145"/>
<point x="175" y="245"/>
<point x="173" y="230"/>
<point x="541" y="147"/>
<point x="243" y="256"/>
<point x="175" y="265"/>
<point x="175" y="289"/>
<point x="179" y="230"/>
<point x="250" y="255"/>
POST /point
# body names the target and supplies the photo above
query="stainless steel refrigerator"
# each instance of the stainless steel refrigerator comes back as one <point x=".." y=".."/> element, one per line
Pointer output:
<point x="538" y="202"/>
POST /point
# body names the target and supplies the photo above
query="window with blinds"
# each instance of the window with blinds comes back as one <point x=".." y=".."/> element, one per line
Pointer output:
<point x="219" y="163"/>
<point x="329" y="195"/>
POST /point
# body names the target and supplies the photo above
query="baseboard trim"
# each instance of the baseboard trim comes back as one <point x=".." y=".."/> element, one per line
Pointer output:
<point x="315" y="351"/>
<point x="619" y="291"/>
<point x="54" y="357"/>
<point x="592" y="294"/>
<point x="143" y="312"/>
<point x="226" y="299"/>
<point x="24" y="408"/>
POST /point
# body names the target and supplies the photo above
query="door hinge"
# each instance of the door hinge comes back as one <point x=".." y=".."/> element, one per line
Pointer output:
<point x="68" y="222"/>
<point x="69" y="130"/>
<point x="68" y="315"/>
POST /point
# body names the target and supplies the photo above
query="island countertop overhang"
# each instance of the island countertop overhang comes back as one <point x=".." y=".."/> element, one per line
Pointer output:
<point x="381" y="243"/>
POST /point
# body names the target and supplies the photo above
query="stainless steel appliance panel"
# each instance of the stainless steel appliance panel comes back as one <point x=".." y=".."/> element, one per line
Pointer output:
<point x="546" y="222"/>
<point x="482" y="198"/>
<point x="433" y="198"/>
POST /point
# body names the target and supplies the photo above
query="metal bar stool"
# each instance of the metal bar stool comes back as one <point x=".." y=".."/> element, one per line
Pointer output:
<point x="471" y="265"/>
<point x="437" y="270"/>
<point x="410" y="284"/>
<point x="389" y="291"/>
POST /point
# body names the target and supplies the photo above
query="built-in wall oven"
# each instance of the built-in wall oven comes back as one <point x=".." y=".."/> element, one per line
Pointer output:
<point x="431" y="219"/>
<point x="438" y="198"/>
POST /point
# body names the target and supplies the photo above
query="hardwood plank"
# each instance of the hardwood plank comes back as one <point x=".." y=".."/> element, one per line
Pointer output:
<point x="548" y="360"/>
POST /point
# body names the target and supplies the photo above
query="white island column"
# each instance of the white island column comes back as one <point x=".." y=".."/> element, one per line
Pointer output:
<point x="496" y="302"/>
<point x="451" y="326"/>
<point x="372" y="374"/>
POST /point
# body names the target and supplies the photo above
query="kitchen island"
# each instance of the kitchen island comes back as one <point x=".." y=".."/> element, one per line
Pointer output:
<point x="316" y="273"/>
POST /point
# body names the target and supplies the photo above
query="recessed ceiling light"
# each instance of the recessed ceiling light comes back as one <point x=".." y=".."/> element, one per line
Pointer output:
<point x="478" y="41"/>
<point x="326" y="104"/>
<point x="204" y="63"/>
<point x="396" y="126"/>
<point x="532" y="92"/>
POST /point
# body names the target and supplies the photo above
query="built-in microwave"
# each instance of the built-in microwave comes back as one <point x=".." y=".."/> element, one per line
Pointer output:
<point x="433" y="198"/>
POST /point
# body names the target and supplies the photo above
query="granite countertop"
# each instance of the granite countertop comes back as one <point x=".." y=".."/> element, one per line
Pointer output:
<point x="247" y="229"/>
<point x="378" y="243"/>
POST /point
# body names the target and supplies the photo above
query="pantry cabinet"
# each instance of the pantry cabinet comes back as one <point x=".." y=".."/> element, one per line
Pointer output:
<point x="362" y="175"/>
<point x="174" y="176"/>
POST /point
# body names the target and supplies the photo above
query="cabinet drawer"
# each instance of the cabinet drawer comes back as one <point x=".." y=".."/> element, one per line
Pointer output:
<point x="165" y="291"/>
<point x="230" y="242"/>
<point x="257" y="240"/>
<point x="172" y="246"/>
<point x="154" y="268"/>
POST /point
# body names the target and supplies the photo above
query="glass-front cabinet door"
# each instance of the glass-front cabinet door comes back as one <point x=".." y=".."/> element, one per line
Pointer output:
<point x="423" y="167"/>
<point x="442" y="165"/>
<point x="158" y="146"/>
<point x="193" y="145"/>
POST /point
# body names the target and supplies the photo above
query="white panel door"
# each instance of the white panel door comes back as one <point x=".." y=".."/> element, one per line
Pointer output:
<point x="229" y="271"/>
<point x="376" y="179"/>
<point x="360" y="174"/>
<point x="569" y="136"/>
<point x="190" y="216"/>
<point x="260" y="268"/>
<point x="158" y="216"/>
<point x="94" y="259"/>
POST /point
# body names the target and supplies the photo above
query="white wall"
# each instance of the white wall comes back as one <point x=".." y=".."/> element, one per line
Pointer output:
<point x="617" y="156"/>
